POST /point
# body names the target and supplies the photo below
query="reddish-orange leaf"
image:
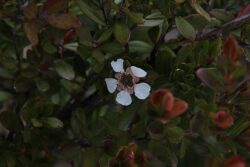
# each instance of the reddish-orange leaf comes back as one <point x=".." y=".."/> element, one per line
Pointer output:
<point x="168" y="101"/>
<point x="30" y="11"/>
<point x="162" y="98"/>
<point x="235" y="161"/>
<point x="230" y="49"/>
<point x="180" y="106"/>
<point x="55" y="5"/>
<point x="63" y="21"/>
<point x="70" y="35"/>
<point x="31" y="29"/>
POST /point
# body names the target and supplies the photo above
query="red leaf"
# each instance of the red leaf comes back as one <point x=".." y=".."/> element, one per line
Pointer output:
<point x="162" y="98"/>
<point x="30" y="11"/>
<point x="70" y="35"/>
<point x="31" y="30"/>
<point x="63" y="21"/>
<point x="235" y="161"/>
<point x="42" y="67"/>
<point x="244" y="11"/>
<point x="55" y="5"/>
<point x="179" y="108"/>
<point x="230" y="49"/>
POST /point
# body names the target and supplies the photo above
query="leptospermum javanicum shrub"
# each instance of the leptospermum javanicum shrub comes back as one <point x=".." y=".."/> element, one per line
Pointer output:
<point x="124" y="83"/>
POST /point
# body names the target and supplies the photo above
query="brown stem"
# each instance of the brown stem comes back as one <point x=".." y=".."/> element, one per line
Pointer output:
<point x="234" y="24"/>
<point x="104" y="14"/>
<point x="155" y="50"/>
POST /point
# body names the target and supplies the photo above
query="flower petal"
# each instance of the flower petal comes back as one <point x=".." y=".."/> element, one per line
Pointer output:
<point x="124" y="98"/>
<point x="142" y="90"/>
<point x="25" y="50"/>
<point x="111" y="84"/>
<point x="118" y="65"/>
<point x="138" y="72"/>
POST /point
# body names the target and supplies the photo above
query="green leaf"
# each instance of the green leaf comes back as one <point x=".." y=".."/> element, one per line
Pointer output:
<point x="4" y="96"/>
<point x="239" y="71"/>
<point x="201" y="11"/>
<point x="114" y="48"/>
<point x="5" y="73"/>
<point x="52" y="122"/>
<point x="64" y="69"/>
<point x="174" y="134"/>
<point x="22" y="84"/>
<point x="215" y="48"/>
<point x="42" y="85"/>
<point x="137" y="18"/>
<point x="156" y="130"/>
<point x="183" y="148"/>
<point x="88" y="11"/>
<point x="98" y="56"/>
<point x="154" y="19"/>
<point x="222" y="14"/>
<point x="185" y="28"/>
<point x="212" y="78"/>
<point x="105" y="36"/>
<point x="165" y="6"/>
<point x="10" y="120"/>
<point x="184" y="53"/>
<point x="238" y="127"/>
<point x="164" y="60"/>
<point x="111" y="129"/>
<point x="159" y="149"/>
<point x="122" y="33"/>
<point x="36" y="108"/>
<point x="36" y="123"/>
<point x="48" y="46"/>
<point x="140" y="47"/>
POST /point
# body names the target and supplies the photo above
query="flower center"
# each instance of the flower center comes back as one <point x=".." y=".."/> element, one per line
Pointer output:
<point x="127" y="80"/>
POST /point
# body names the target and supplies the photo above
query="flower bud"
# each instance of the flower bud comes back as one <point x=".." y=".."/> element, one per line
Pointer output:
<point x="222" y="119"/>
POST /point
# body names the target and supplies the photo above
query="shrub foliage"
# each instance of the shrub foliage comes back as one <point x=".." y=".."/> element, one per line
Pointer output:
<point x="56" y="110"/>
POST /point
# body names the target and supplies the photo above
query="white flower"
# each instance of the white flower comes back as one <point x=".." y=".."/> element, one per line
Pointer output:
<point x="127" y="83"/>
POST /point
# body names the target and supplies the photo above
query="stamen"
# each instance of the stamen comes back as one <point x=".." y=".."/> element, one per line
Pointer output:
<point x="127" y="80"/>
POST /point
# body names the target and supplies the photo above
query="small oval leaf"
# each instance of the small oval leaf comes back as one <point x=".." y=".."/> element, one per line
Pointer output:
<point x="122" y="33"/>
<point x="185" y="28"/>
<point x="64" y="69"/>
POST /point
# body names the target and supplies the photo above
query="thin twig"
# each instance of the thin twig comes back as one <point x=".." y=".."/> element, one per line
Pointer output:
<point x="104" y="14"/>
<point x="155" y="50"/>
<point x="234" y="24"/>
<point x="17" y="49"/>
<point x="214" y="33"/>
